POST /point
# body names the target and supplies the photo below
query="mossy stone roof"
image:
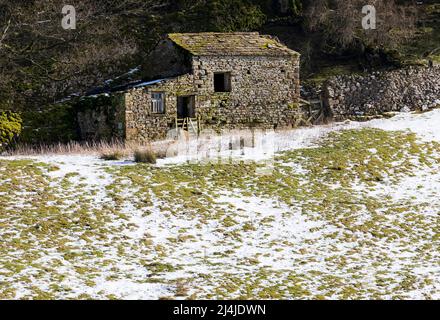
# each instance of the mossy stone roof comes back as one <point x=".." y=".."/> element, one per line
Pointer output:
<point x="230" y="44"/>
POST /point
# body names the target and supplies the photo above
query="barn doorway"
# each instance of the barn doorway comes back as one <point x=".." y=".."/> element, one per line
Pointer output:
<point x="186" y="107"/>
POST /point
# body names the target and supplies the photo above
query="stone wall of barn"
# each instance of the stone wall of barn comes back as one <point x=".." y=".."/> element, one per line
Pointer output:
<point x="101" y="117"/>
<point x="354" y="96"/>
<point x="141" y="124"/>
<point x="264" y="93"/>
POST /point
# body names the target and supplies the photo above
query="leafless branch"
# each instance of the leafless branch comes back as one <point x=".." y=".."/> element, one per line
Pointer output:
<point x="5" y="32"/>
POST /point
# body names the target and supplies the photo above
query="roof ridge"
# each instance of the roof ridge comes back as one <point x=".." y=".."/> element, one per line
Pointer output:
<point x="230" y="43"/>
<point x="222" y="33"/>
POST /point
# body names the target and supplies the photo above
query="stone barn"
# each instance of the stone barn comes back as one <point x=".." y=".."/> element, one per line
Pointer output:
<point x="202" y="80"/>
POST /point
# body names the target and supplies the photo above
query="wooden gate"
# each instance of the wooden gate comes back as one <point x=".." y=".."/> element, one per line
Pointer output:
<point x="191" y="125"/>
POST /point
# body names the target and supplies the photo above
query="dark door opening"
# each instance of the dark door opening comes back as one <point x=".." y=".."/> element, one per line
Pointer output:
<point x="186" y="107"/>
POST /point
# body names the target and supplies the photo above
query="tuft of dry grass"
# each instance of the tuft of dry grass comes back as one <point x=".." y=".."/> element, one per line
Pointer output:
<point x="73" y="147"/>
<point x="181" y="289"/>
<point x="114" y="150"/>
<point x="145" y="156"/>
<point x="112" y="155"/>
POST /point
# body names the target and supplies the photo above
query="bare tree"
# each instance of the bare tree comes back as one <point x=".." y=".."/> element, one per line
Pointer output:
<point x="41" y="62"/>
<point x="340" y="20"/>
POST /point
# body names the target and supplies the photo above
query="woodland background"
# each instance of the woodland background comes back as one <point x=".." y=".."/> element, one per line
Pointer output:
<point x="43" y="68"/>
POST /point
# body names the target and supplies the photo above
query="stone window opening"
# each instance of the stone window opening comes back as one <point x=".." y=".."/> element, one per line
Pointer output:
<point x="222" y="82"/>
<point x="157" y="103"/>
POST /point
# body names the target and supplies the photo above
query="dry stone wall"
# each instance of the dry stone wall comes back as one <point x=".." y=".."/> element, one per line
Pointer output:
<point x="415" y="88"/>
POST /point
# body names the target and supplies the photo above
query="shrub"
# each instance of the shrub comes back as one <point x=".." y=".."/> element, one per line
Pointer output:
<point x="53" y="124"/>
<point x="10" y="127"/>
<point x="145" y="156"/>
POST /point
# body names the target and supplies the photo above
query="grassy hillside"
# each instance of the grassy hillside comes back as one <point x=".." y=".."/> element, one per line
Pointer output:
<point x="355" y="217"/>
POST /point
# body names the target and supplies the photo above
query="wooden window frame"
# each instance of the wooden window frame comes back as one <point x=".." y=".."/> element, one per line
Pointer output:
<point x="157" y="104"/>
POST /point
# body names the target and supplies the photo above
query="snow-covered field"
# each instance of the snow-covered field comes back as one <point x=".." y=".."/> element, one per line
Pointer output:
<point x="348" y="210"/>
